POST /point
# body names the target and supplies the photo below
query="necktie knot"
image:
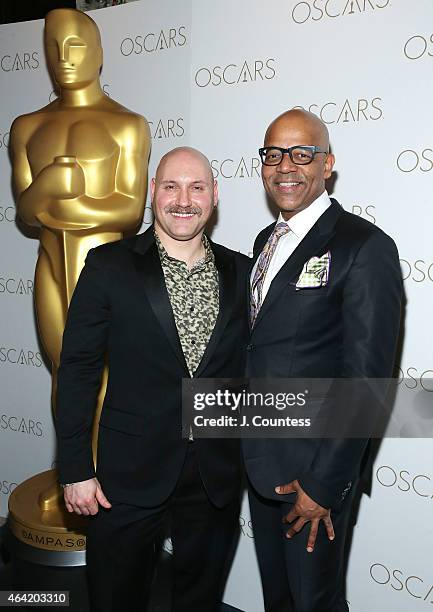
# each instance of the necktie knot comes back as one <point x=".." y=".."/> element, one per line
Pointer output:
<point x="281" y="229"/>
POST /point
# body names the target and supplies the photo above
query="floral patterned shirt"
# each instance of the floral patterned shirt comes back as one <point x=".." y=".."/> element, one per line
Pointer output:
<point x="194" y="298"/>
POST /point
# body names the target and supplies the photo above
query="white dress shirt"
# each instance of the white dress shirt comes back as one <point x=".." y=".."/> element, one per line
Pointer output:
<point x="300" y="224"/>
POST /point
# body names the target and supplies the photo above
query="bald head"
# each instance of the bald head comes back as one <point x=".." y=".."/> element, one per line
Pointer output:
<point x="185" y="155"/>
<point x="301" y="119"/>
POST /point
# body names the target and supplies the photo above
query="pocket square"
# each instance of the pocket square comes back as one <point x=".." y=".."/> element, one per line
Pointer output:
<point x="315" y="272"/>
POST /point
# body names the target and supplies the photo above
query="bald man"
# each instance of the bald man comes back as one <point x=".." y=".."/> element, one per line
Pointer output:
<point x="164" y="305"/>
<point x="325" y="293"/>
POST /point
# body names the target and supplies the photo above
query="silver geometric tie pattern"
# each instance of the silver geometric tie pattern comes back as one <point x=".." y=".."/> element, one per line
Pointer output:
<point x="262" y="267"/>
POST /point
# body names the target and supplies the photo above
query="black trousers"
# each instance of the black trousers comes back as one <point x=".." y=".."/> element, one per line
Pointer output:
<point x="293" y="579"/>
<point x="121" y="548"/>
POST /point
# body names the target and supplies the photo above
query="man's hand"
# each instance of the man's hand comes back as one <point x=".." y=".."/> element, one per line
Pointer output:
<point x="306" y="510"/>
<point x="83" y="497"/>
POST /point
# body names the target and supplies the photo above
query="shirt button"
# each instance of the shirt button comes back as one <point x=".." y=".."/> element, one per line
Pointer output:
<point x="192" y="341"/>
<point x="191" y="309"/>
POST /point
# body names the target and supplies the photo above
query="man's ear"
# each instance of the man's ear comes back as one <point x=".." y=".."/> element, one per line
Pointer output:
<point x="215" y="193"/>
<point x="329" y="164"/>
<point x="152" y="189"/>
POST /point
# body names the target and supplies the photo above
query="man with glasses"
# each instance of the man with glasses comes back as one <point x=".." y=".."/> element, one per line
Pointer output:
<point x="325" y="293"/>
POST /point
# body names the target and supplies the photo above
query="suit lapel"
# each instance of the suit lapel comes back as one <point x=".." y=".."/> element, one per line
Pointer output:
<point x="225" y="265"/>
<point x="151" y="276"/>
<point x="311" y="245"/>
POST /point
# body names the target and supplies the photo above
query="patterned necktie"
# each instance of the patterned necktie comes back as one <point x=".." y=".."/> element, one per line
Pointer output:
<point x="262" y="267"/>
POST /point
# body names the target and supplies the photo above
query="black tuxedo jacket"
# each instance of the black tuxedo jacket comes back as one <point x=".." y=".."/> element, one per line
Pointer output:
<point x="346" y="329"/>
<point x="121" y="309"/>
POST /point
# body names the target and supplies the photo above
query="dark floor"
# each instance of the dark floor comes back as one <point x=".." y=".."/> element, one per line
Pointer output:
<point x="12" y="575"/>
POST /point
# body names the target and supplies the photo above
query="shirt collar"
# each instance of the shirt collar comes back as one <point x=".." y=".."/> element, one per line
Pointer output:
<point x="164" y="256"/>
<point x="301" y="223"/>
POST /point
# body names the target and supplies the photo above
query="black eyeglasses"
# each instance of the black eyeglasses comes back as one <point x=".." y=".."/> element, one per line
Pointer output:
<point x="299" y="154"/>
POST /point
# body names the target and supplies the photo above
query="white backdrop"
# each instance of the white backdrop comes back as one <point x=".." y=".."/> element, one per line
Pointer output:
<point x="214" y="75"/>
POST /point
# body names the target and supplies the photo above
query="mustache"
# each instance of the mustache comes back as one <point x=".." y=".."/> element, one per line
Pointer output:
<point x="186" y="210"/>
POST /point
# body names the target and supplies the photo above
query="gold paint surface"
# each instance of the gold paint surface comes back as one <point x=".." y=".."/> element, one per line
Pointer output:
<point x="56" y="529"/>
<point x="80" y="175"/>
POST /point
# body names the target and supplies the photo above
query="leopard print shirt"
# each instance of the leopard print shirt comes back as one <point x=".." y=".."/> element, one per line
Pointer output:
<point x="194" y="298"/>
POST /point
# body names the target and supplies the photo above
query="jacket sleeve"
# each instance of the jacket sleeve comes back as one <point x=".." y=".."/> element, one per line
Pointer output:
<point x="371" y="321"/>
<point x="80" y="371"/>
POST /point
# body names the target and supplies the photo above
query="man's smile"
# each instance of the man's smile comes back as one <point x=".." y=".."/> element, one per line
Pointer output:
<point x="287" y="186"/>
<point x="178" y="215"/>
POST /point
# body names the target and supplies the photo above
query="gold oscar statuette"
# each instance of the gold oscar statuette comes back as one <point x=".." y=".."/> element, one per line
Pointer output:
<point x="79" y="174"/>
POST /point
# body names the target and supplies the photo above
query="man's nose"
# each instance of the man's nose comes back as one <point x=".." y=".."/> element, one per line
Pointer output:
<point x="286" y="164"/>
<point x="183" y="199"/>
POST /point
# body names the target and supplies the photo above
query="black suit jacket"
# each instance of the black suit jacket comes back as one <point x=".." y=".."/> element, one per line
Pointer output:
<point x="346" y="329"/>
<point x="121" y="309"/>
